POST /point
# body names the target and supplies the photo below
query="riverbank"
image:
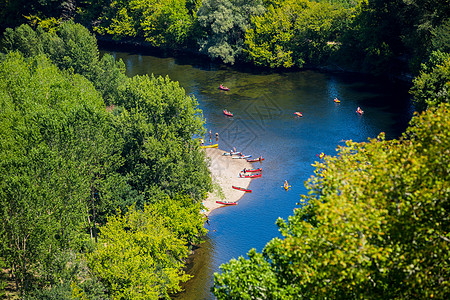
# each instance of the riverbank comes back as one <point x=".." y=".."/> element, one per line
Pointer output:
<point x="225" y="173"/>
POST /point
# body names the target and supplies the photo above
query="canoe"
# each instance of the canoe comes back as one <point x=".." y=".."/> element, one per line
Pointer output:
<point x="241" y="189"/>
<point x="253" y="170"/>
<point x="255" y="159"/>
<point x="227" y="113"/>
<point x="226" y="203"/>
<point x="210" y="146"/>
<point x="250" y="176"/>
<point x="223" y="88"/>
<point x="241" y="157"/>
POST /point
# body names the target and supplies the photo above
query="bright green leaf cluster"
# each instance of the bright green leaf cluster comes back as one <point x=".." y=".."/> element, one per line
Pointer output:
<point x="138" y="257"/>
<point x="432" y="87"/>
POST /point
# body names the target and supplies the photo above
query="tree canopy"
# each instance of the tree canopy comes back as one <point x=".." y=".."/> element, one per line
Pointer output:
<point x="432" y="86"/>
<point x="374" y="36"/>
<point x="73" y="167"/>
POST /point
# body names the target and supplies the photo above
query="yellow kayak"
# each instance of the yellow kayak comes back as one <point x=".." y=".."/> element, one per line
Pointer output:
<point x="210" y="146"/>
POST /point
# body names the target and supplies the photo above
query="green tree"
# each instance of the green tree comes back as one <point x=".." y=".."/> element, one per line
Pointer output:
<point x="165" y="24"/>
<point x="432" y="86"/>
<point x="267" y="42"/>
<point x="375" y="224"/>
<point x="58" y="145"/>
<point x="23" y="39"/>
<point x="295" y="33"/>
<point x="71" y="47"/>
<point x="182" y="218"/>
<point x="158" y="126"/>
<point x="138" y="257"/>
<point x="225" y="24"/>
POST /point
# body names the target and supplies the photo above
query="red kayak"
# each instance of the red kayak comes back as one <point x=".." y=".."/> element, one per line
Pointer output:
<point x="250" y="176"/>
<point x="252" y="170"/>
<point x="241" y="189"/>
<point x="255" y="159"/>
<point x="226" y="203"/>
<point x="227" y="113"/>
<point x="223" y="88"/>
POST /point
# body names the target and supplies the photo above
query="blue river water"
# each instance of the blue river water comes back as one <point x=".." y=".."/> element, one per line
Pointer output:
<point x="263" y="104"/>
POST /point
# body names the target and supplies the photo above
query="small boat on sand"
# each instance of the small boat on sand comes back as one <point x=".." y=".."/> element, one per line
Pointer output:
<point x="232" y="153"/>
<point x="241" y="189"/>
<point x="249" y="176"/>
<point x="223" y="88"/>
<point x="252" y="170"/>
<point x="255" y="159"/>
<point x="210" y="146"/>
<point x="226" y="203"/>
<point x="227" y="113"/>
<point x="243" y="156"/>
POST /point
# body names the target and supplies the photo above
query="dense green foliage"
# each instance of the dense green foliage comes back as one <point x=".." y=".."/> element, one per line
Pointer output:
<point x="100" y="179"/>
<point x="162" y="23"/>
<point x="225" y="23"/>
<point x="375" y="36"/>
<point x="433" y="85"/>
<point x="294" y="33"/>
<point x="140" y="255"/>
<point x="71" y="47"/>
<point x="71" y="166"/>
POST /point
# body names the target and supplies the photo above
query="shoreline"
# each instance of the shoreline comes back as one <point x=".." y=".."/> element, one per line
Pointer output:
<point x="224" y="172"/>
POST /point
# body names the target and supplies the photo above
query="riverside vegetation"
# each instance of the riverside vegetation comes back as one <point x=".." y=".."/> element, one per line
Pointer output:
<point x="101" y="181"/>
<point x="375" y="36"/>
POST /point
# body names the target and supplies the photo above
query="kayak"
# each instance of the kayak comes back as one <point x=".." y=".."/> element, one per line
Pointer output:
<point x="244" y="156"/>
<point x="226" y="203"/>
<point x="231" y="153"/>
<point x="255" y="159"/>
<point x="210" y="146"/>
<point x="227" y="113"/>
<point x="250" y="176"/>
<point x="223" y="88"/>
<point x="252" y="170"/>
<point x="241" y="189"/>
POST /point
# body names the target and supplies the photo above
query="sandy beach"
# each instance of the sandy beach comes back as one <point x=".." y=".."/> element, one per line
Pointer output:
<point x="225" y="173"/>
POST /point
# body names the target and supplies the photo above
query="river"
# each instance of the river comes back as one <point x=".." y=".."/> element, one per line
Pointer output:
<point x="263" y="103"/>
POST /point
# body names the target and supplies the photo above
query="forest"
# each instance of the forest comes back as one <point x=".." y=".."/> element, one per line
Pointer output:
<point x="372" y="36"/>
<point x="101" y="179"/>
